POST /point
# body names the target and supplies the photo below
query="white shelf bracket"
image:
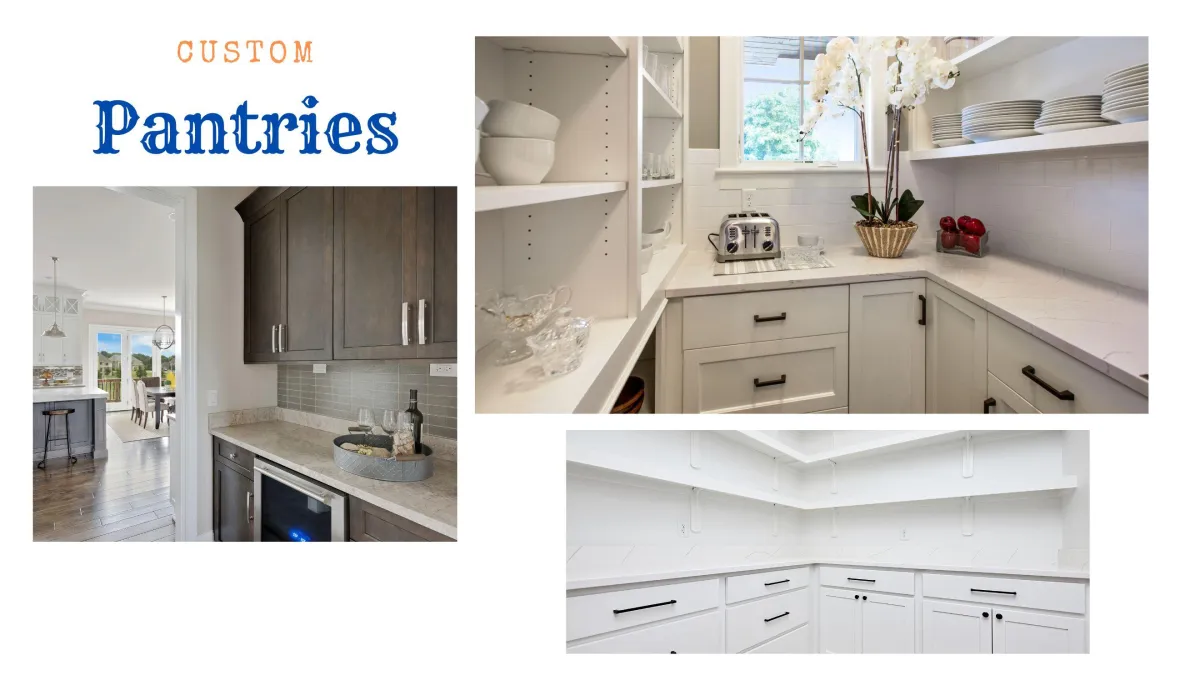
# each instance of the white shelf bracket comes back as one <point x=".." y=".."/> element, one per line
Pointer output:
<point x="775" y="520"/>
<point x="832" y="477"/>
<point x="833" y="529"/>
<point x="695" y="509"/>
<point x="968" y="458"/>
<point x="695" y="460"/>
<point x="776" y="476"/>
<point x="968" y="517"/>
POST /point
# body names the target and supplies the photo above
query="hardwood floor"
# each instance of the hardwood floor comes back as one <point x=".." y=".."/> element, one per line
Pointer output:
<point x="124" y="497"/>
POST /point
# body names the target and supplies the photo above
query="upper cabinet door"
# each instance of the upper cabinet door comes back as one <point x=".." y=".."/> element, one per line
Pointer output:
<point x="887" y="347"/>
<point x="263" y="279"/>
<point x="955" y="628"/>
<point x="956" y="357"/>
<point x="307" y="304"/>
<point x="443" y="314"/>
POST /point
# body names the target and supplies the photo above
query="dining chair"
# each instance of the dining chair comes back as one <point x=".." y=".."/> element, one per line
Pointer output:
<point x="140" y="396"/>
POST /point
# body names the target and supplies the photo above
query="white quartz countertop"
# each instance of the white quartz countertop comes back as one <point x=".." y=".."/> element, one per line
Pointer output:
<point x="432" y="503"/>
<point x="587" y="567"/>
<point x="1102" y="324"/>
<point x="56" y="394"/>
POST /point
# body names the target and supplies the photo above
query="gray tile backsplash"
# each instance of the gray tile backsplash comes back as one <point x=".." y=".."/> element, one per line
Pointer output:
<point x="346" y="387"/>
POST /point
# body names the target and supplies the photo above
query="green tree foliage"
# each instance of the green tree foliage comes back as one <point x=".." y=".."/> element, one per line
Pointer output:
<point x="772" y="128"/>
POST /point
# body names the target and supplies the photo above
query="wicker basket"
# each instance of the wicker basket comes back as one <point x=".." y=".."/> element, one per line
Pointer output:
<point x="887" y="241"/>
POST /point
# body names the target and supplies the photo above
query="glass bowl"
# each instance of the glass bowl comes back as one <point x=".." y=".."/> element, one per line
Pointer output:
<point x="515" y="316"/>
<point x="558" y="346"/>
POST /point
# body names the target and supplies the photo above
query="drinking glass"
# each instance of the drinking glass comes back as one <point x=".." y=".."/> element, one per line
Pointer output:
<point x="390" y="422"/>
<point x="655" y="171"/>
<point x="366" y="418"/>
<point x="646" y="166"/>
<point x="651" y="64"/>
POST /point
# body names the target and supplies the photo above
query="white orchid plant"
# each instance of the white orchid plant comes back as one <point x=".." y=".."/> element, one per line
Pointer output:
<point x="838" y="86"/>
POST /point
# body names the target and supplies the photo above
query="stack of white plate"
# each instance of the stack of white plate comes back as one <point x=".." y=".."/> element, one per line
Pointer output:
<point x="1070" y="113"/>
<point x="998" y="120"/>
<point x="947" y="130"/>
<point x="1127" y="95"/>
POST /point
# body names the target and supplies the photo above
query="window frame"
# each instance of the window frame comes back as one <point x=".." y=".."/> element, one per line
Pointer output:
<point x="731" y="88"/>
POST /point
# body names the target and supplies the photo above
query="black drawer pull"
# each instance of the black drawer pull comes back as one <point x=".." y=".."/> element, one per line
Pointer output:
<point x="773" y="583"/>
<point x="634" y="609"/>
<point x="922" y="319"/>
<point x="1064" y="395"/>
<point x="769" y="383"/>
<point x="764" y="319"/>
<point x="984" y="590"/>
<point x="988" y="404"/>
<point x="869" y="581"/>
<point x="776" y="617"/>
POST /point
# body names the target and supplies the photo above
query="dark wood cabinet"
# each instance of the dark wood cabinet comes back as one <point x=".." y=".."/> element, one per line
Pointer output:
<point x="371" y="523"/>
<point x="233" y="493"/>
<point x="360" y="273"/>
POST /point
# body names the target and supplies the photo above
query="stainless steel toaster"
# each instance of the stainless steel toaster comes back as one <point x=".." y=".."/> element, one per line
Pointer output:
<point x="747" y="236"/>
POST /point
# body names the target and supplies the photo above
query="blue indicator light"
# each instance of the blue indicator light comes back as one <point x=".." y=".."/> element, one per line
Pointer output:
<point x="297" y="535"/>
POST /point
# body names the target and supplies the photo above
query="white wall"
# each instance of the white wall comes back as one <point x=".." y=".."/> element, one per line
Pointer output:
<point x="104" y="317"/>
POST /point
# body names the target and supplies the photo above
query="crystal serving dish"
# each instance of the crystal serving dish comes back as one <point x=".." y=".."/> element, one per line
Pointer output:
<point x="514" y="317"/>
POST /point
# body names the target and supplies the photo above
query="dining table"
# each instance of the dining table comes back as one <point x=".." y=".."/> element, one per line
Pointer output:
<point x="158" y="394"/>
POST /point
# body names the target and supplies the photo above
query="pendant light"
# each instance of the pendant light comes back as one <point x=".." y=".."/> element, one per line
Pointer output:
<point x="54" y="331"/>
<point x="164" y="335"/>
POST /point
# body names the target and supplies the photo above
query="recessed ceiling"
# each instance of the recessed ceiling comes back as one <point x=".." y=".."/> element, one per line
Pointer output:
<point x="118" y="248"/>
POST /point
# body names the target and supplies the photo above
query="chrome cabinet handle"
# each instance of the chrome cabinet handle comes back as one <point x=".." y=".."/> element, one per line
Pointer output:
<point x="282" y="341"/>
<point x="404" y="324"/>
<point x="274" y="336"/>
<point x="249" y="517"/>
<point x="421" y="321"/>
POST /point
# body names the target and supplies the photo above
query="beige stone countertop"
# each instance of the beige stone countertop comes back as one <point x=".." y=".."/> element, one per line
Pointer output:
<point x="57" y="394"/>
<point x="309" y="452"/>
<point x="1102" y="324"/>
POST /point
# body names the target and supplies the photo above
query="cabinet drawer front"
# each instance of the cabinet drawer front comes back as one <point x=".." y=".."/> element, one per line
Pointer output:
<point x="800" y="375"/>
<point x="750" y="586"/>
<point x="1060" y="596"/>
<point x="694" y="635"/>
<point x="749" y="624"/>
<point x="240" y="456"/>
<point x="1010" y="350"/>
<point x="716" y="320"/>
<point x="371" y="523"/>
<point x="606" y="612"/>
<point x="798" y="641"/>
<point x="867" y="579"/>
<point x="1007" y="401"/>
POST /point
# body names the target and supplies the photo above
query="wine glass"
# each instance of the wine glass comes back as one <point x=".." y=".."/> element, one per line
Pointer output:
<point x="390" y="422"/>
<point x="366" y="419"/>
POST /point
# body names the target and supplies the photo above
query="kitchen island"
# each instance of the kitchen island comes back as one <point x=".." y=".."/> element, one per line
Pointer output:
<point x="88" y="428"/>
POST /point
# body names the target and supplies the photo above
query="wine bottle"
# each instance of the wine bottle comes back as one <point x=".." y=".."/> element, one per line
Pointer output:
<point x="415" y="420"/>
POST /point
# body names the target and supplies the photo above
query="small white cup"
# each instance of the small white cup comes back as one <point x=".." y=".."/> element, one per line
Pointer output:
<point x="644" y="257"/>
<point x="811" y="242"/>
<point x="658" y="238"/>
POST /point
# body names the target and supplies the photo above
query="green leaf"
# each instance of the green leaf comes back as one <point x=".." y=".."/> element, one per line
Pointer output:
<point x="860" y="205"/>
<point x="907" y="206"/>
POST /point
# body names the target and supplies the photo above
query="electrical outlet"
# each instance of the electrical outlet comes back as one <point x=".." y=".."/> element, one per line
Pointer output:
<point x="443" y="370"/>
<point x="319" y="368"/>
<point x="212" y="398"/>
<point x="904" y="534"/>
<point x="748" y="203"/>
<point x="683" y="530"/>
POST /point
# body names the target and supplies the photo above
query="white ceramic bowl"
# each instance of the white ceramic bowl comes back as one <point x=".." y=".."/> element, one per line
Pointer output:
<point x="509" y="119"/>
<point x="645" y="255"/>
<point x="517" y="161"/>
<point x="481" y="111"/>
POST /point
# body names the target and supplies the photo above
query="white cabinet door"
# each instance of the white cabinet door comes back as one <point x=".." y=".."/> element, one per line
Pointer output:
<point x="955" y="628"/>
<point x="955" y="353"/>
<point x="1018" y="632"/>
<point x="1002" y="400"/>
<point x="887" y="347"/>
<point x="840" y="622"/>
<point x="38" y="327"/>
<point x="889" y="624"/>
<point x="69" y="350"/>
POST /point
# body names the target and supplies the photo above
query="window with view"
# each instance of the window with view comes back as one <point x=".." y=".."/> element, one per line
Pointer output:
<point x="775" y="72"/>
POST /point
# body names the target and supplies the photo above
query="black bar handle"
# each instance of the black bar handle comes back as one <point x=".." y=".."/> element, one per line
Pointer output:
<point x="984" y="590"/>
<point x="776" y="617"/>
<point x="769" y="383"/>
<point x="922" y="319"/>
<point x="764" y="319"/>
<point x="1064" y="395"/>
<point x="773" y="583"/>
<point x="634" y="609"/>
<point x="988" y="403"/>
<point x="869" y="581"/>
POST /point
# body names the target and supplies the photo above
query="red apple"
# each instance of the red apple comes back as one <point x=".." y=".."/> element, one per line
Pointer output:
<point x="974" y="226"/>
<point x="962" y="221"/>
<point x="949" y="239"/>
<point x="970" y="242"/>
<point x="947" y="223"/>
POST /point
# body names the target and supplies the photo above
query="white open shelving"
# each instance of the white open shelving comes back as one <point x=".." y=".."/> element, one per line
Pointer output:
<point x="662" y="265"/>
<point x="998" y="52"/>
<point x="492" y="197"/>
<point x="830" y="450"/>
<point x="661" y="182"/>
<point x="657" y="103"/>
<point x="1111" y="136"/>
<point x="665" y="45"/>
<point x="593" y="45"/>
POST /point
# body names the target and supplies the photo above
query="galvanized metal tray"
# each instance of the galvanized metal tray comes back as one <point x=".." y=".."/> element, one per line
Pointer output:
<point x="413" y="468"/>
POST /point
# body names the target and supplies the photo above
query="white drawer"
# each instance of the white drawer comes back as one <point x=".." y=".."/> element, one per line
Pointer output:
<point x="799" y="375"/>
<point x="798" y="641"/>
<point x="693" y="635"/>
<point x="1060" y="596"/>
<point x="867" y="579"/>
<point x="749" y="624"/>
<point x="750" y="586"/>
<point x="606" y="612"/>
<point x="1011" y="349"/>
<point x="717" y="320"/>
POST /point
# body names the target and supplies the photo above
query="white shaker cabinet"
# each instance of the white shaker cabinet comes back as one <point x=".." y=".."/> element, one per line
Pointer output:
<point x="887" y="346"/>
<point x="956" y="356"/>
<point x="854" y="622"/>
<point x="839" y="624"/>
<point x="1002" y="400"/>
<point x="955" y="628"/>
<point x="1021" y="632"/>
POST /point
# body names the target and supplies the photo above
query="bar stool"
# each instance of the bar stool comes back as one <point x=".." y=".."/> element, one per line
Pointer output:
<point x="65" y="414"/>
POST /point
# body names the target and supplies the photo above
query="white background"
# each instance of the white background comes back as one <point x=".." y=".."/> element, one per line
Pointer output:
<point x="494" y="600"/>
